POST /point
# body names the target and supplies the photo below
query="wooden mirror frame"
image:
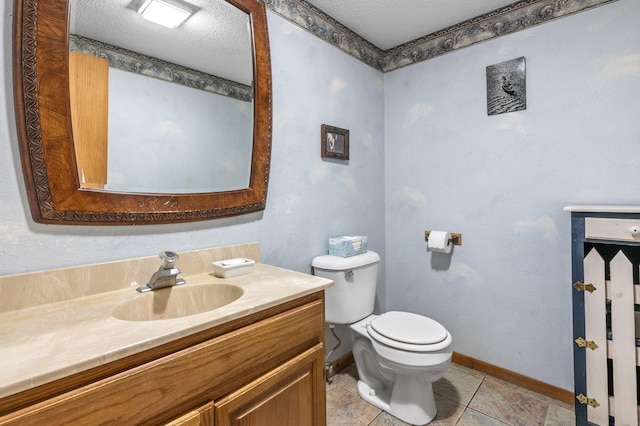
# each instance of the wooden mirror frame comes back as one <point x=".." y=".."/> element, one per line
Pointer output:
<point x="42" y="108"/>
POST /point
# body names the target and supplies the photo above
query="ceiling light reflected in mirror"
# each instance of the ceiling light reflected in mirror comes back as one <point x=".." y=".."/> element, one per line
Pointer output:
<point x="168" y="13"/>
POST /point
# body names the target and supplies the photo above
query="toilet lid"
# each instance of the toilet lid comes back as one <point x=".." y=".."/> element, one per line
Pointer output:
<point x="409" y="328"/>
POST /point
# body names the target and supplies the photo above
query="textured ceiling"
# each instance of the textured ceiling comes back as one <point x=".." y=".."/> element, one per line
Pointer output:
<point x="214" y="40"/>
<point x="389" y="23"/>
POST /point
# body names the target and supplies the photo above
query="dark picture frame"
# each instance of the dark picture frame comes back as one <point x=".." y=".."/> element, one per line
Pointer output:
<point x="506" y="87"/>
<point x="334" y="142"/>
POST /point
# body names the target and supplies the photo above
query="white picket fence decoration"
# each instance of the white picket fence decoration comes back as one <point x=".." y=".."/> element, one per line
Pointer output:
<point x="622" y="349"/>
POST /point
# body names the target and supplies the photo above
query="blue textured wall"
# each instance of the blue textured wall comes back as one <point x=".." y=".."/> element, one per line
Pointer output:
<point x="503" y="180"/>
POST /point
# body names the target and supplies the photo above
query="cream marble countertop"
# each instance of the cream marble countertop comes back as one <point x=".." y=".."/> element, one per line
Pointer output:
<point x="43" y="343"/>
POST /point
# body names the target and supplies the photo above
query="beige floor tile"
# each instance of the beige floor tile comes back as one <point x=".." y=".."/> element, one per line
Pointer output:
<point x="561" y="404"/>
<point x="474" y="418"/>
<point x="467" y="370"/>
<point x="458" y="385"/>
<point x="560" y="415"/>
<point x="386" y="419"/>
<point x="449" y="412"/>
<point x="346" y="379"/>
<point x="510" y="403"/>
<point x="491" y="402"/>
<point x="346" y="409"/>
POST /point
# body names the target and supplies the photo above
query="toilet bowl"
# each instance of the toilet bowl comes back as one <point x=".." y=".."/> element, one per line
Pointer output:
<point x="396" y="376"/>
<point x="398" y="354"/>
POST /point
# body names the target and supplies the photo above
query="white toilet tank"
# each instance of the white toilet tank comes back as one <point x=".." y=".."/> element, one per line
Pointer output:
<point x="353" y="294"/>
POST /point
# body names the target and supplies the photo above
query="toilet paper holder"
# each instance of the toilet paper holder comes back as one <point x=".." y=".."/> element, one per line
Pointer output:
<point x="456" y="238"/>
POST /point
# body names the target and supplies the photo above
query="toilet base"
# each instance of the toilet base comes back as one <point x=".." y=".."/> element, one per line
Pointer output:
<point x="412" y="402"/>
<point x="377" y="397"/>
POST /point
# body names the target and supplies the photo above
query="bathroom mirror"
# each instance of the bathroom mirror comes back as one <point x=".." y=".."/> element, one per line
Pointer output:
<point x="57" y="190"/>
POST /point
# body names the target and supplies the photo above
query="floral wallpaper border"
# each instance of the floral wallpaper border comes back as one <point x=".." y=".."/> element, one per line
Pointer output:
<point x="509" y="19"/>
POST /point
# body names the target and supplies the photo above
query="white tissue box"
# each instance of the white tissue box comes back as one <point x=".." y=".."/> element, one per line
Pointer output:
<point x="348" y="245"/>
<point x="233" y="267"/>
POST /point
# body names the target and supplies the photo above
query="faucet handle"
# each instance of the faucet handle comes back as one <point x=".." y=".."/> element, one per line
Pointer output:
<point x="168" y="258"/>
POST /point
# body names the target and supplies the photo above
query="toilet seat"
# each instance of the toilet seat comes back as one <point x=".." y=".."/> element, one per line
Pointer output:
<point x="408" y="331"/>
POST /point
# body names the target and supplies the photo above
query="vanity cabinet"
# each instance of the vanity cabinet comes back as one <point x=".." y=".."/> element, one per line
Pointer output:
<point x="266" y="368"/>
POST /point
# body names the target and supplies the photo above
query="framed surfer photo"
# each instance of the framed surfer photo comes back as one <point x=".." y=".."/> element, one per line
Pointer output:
<point x="506" y="87"/>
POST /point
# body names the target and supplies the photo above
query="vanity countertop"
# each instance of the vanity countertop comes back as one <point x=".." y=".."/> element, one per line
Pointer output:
<point x="43" y="343"/>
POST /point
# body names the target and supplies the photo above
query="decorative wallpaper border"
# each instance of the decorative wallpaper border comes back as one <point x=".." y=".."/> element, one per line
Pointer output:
<point x="320" y="24"/>
<point x="509" y="19"/>
<point x="127" y="60"/>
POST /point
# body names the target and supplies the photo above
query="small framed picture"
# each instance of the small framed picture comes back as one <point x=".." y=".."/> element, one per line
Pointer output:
<point x="334" y="142"/>
<point x="506" y="87"/>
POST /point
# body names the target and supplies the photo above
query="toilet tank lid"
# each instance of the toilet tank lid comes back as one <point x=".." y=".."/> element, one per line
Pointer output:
<point x="337" y="263"/>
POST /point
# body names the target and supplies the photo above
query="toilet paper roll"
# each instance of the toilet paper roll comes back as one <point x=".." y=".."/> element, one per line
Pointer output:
<point x="440" y="242"/>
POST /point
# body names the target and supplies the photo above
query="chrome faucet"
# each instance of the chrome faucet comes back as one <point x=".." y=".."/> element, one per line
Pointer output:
<point x="166" y="276"/>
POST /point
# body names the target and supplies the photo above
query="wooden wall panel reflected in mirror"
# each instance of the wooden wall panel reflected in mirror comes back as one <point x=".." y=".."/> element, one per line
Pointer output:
<point x="89" y="99"/>
<point x="53" y="173"/>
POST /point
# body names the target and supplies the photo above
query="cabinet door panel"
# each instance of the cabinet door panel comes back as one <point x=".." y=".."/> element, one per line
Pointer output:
<point x="203" y="416"/>
<point x="291" y="395"/>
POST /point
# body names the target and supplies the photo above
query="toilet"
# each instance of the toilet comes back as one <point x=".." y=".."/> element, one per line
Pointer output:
<point x="398" y="354"/>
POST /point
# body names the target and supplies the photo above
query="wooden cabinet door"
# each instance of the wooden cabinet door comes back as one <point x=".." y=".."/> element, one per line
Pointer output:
<point x="290" y="395"/>
<point x="89" y="95"/>
<point x="202" y="416"/>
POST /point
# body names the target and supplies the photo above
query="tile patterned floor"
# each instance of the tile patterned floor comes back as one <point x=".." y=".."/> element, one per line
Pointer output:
<point x="464" y="397"/>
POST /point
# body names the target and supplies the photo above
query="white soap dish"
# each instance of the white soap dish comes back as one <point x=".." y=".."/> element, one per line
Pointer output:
<point x="233" y="267"/>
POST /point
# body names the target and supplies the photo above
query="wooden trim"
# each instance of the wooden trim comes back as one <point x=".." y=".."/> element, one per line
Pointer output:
<point x="546" y="389"/>
<point x="340" y="365"/>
